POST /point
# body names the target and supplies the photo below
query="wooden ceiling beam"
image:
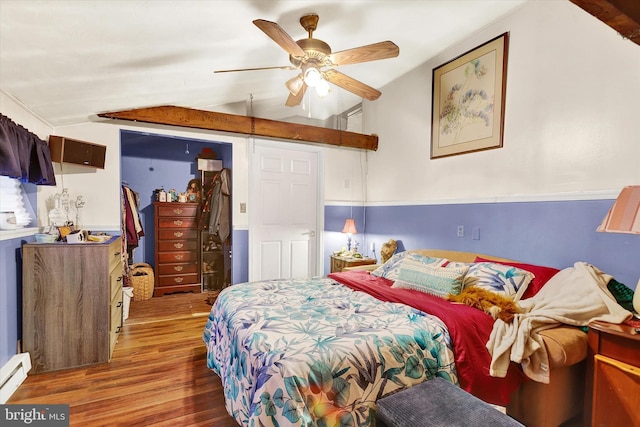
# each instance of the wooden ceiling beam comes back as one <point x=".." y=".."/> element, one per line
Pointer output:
<point x="621" y="15"/>
<point x="223" y="122"/>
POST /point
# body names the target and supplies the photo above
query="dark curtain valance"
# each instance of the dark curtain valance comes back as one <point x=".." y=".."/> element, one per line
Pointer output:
<point x="23" y="155"/>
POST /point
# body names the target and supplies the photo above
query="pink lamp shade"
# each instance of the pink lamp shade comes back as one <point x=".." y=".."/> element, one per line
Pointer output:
<point x="350" y="226"/>
<point x="624" y="215"/>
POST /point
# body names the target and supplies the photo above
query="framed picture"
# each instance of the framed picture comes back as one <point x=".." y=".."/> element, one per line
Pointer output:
<point x="468" y="100"/>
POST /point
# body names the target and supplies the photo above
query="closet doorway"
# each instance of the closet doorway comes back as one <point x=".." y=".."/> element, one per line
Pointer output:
<point x="152" y="161"/>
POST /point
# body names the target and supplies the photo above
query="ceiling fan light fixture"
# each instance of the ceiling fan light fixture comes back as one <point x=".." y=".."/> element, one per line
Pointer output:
<point x="295" y="84"/>
<point x="312" y="76"/>
<point x="323" y="88"/>
<point x="313" y="56"/>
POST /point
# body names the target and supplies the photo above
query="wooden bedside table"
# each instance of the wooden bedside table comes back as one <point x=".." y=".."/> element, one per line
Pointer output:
<point x="340" y="262"/>
<point x="612" y="395"/>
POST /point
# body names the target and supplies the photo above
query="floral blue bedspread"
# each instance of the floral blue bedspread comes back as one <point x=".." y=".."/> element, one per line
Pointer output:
<point x="307" y="352"/>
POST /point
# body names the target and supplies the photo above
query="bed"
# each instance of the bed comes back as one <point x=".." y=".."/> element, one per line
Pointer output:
<point x="321" y="351"/>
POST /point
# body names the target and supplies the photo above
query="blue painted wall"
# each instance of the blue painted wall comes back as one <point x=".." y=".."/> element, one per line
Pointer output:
<point x="555" y="234"/>
<point x="11" y="282"/>
<point x="10" y="296"/>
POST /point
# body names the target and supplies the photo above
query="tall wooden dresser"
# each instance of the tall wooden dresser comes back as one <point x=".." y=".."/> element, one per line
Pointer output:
<point x="71" y="303"/>
<point x="177" y="248"/>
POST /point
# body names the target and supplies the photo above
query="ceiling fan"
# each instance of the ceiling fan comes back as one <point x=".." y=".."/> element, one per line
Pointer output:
<point x="312" y="57"/>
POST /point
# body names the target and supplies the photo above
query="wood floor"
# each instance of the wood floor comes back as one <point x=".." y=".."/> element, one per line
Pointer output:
<point x="157" y="376"/>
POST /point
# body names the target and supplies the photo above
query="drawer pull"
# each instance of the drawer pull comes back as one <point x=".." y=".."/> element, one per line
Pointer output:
<point x="119" y="304"/>
<point x="178" y="279"/>
<point x="116" y="254"/>
<point x="178" y="233"/>
<point x="177" y="211"/>
<point x="178" y="268"/>
<point x="178" y="245"/>
<point x="177" y="222"/>
<point x="119" y="279"/>
<point x="178" y="257"/>
<point x="118" y="329"/>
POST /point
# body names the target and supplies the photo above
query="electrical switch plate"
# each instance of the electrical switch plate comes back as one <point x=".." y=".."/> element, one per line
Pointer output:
<point x="461" y="231"/>
<point x="243" y="208"/>
<point x="475" y="233"/>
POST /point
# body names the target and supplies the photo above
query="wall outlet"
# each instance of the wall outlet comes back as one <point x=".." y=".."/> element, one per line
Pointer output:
<point x="461" y="231"/>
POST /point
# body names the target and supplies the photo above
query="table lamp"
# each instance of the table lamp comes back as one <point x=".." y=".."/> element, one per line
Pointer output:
<point x="350" y="229"/>
<point x="624" y="217"/>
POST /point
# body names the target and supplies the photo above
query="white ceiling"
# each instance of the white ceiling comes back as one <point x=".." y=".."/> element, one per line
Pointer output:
<point x="67" y="60"/>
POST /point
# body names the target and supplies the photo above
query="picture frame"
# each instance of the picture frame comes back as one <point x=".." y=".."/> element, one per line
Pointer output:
<point x="468" y="100"/>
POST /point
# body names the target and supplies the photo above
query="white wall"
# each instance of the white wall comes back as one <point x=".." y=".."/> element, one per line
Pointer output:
<point x="101" y="188"/>
<point x="571" y="127"/>
<point x="571" y="122"/>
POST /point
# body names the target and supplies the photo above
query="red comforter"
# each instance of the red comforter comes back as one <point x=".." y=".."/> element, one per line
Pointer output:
<point x="468" y="327"/>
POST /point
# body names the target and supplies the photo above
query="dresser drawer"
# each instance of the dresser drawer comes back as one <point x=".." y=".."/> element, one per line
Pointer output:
<point x="174" y="209"/>
<point x="174" y="234"/>
<point x="177" y="245"/>
<point x="115" y="321"/>
<point x="115" y="281"/>
<point x="177" y="222"/>
<point x="177" y="256"/>
<point x="115" y="254"/>
<point x="116" y="312"/>
<point x="178" y="279"/>
<point x="178" y="268"/>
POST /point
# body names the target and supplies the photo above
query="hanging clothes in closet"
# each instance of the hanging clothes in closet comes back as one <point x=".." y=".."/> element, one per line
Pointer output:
<point x="220" y="208"/>
<point x="132" y="229"/>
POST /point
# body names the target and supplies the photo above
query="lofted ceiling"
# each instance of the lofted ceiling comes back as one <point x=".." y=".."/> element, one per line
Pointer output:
<point x="68" y="60"/>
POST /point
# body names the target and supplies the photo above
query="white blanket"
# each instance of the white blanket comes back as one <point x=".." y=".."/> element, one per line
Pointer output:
<point x="575" y="296"/>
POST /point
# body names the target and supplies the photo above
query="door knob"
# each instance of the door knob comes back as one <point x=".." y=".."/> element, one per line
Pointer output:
<point x="310" y="233"/>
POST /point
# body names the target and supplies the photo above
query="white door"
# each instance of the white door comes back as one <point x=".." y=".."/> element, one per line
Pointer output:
<point x="283" y="212"/>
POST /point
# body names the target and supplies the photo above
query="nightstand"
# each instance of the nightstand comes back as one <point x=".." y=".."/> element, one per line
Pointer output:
<point x="612" y="396"/>
<point x="340" y="262"/>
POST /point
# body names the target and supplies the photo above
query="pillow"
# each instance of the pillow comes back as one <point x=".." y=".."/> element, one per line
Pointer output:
<point x="430" y="279"/>
<point x="502" y="279"/>
<point x="458" y="264"/>
<point x="542" y="274"/>
<point x="389" y="269"/>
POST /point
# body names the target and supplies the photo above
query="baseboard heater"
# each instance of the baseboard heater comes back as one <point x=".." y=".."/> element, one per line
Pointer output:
<point x="12" y="374"/>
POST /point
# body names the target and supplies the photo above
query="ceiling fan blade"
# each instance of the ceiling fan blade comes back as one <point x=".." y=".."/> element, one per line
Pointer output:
<point x="281" y="67"/>
<point x="371" y="52"/>
<point x="295" y="100"/>
<point x="280" y="36"/>
<point x="352" y="85"/>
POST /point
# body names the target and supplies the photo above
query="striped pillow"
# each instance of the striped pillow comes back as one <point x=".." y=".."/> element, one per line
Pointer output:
<point x="433" y="280"/>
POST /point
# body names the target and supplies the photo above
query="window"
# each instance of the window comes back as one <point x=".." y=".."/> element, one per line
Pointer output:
<point x="14" y="198"/>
